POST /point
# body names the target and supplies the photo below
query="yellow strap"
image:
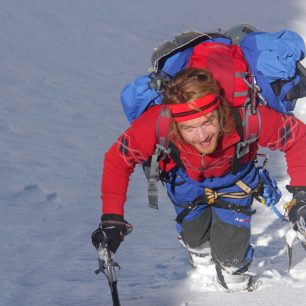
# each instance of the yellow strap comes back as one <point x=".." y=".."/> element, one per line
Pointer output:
<point x="234" y="195"/>
<point x="212" y="195"/>
<point x="244" y="187"/>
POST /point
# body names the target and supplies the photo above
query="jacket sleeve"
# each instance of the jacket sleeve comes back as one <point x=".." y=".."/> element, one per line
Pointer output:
<point x="287" y="134"/>
<point x="134" y="146"/>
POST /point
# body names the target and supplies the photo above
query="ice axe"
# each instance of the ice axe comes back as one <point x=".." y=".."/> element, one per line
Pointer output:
<point x="107" y="267"/>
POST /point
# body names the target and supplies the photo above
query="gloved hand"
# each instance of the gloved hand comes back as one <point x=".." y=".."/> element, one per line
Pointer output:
<point x="111" y="232"/>
<point x="297" y="209"/>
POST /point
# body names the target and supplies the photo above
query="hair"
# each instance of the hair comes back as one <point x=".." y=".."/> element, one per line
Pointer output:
<point x="191" y="84"/>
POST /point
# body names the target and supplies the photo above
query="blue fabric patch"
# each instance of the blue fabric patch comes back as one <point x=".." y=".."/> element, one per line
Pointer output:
<point x="278" y="54"/>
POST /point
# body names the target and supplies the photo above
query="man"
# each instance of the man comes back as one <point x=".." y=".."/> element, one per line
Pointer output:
<point x="199" y="171"/>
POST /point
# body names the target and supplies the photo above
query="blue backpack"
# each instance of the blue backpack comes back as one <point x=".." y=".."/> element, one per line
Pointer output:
<point x="273" y="59"/>
<point x="274" y="77"/>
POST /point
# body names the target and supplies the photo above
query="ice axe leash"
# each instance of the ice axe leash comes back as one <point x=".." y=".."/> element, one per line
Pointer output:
<point x="107" y="266"/>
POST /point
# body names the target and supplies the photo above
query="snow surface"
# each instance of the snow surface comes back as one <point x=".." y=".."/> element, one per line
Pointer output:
<point x="63" y="64"/>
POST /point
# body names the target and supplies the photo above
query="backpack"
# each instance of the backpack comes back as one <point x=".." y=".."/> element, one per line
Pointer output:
<point x="252" y="67"/>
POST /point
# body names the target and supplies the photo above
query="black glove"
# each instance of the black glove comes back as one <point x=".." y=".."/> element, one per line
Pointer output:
<point x="297" y="211"/>
<point x="111" y="232"/>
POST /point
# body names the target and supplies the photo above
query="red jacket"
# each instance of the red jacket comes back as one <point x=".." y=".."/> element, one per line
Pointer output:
<point x="137" y="144"/>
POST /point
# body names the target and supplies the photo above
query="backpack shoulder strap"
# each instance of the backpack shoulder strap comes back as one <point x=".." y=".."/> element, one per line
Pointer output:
<point x="239" y="127"/>
<point x="162" y="150"/>
<point x="248" y="125"/>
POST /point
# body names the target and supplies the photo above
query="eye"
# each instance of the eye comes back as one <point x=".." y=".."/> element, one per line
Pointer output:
<point x="207" y="123"/>
<point x="188" y="128"/>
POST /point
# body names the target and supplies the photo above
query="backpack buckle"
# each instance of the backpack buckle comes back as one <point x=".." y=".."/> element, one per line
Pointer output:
<point x="242" y="149"/>
<point x="157" y="81"/>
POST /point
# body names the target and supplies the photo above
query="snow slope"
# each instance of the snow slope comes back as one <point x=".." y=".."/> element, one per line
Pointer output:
<point x="63" y="64"/>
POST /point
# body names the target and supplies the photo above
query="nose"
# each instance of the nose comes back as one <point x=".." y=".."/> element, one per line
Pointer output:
<point x="202" y="134"/>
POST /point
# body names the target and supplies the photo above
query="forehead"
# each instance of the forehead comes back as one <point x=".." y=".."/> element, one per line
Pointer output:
<point x="200" y="120"/>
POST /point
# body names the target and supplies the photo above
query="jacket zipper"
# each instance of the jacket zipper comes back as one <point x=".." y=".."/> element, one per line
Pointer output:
<point x="202" y="160"/>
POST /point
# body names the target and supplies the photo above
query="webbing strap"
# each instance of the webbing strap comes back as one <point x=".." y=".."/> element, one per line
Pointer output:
<point x="153" y="178"/>
<point x="235" y="207"/>
<point x="240" y="93"/>
<point x="248" y="130"/>
<point x="163" y="127"/>
<point x="238" y="121"/>
<point x="244" y="186"/>
<point x="212" y="195"/>
<point x="162" y="150"/>
<point x="219" y="203"/>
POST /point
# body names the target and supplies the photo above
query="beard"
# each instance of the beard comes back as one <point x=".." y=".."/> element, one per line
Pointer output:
<point x="208" y="146"/>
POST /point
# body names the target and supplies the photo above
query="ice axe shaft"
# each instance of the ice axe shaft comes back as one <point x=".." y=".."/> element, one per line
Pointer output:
<point x="107" y="267"/>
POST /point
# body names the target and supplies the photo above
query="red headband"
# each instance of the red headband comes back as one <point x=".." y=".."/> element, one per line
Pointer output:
<point x="194" y="109"/>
